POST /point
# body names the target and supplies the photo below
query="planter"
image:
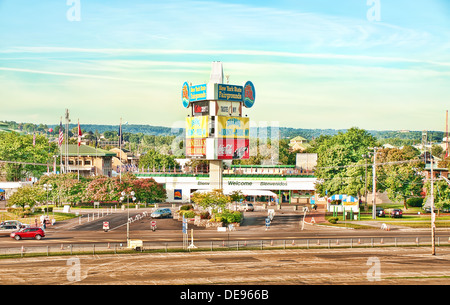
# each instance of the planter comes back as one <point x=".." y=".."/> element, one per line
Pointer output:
<point x="213" y="224"/>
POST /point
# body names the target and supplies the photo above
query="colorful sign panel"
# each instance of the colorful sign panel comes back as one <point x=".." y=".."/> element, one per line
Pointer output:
<point x="197" y="93"/>
<point x="228" y="108"/>
<point x="185" y="95"/>
<point x="200" y="108"/>
<point x="233" y="127"/>
<point x="178" y="194"/>
<point x="197" y="127"/>
<point x="230" y="93"/>
<point x="233" y="149"/>
<point x="195" y="147"/>
<point x="249" y="94"/>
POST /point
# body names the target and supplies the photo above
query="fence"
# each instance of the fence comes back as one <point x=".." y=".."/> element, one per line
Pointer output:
<point x="222" y="245"/>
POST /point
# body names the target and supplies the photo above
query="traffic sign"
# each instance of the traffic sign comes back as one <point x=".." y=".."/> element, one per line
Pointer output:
<point x="184" y="226"/>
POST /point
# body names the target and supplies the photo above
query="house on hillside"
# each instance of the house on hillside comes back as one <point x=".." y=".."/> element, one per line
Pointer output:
<point x="298" y="144"/>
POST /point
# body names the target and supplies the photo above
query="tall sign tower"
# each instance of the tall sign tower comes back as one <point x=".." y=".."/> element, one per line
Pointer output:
<point x="216" y="130"/>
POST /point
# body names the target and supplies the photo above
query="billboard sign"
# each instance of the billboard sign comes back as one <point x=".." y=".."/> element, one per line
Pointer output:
<point x="231" y="93"/>
<point x="249" y="94"/>
<point x="197" y="127"/>
<point x="233" y="127"/>
<point x="233" y="149"/>
<point x="200" y="108"/>
<point x="185" y="95"/>
<point x="197" y="93"/>
<point x="228" y="108"/>
<point x="195" y="147"/>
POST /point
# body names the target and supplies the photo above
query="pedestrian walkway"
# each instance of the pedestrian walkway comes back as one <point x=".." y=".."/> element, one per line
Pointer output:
<point x="316" y="215"/>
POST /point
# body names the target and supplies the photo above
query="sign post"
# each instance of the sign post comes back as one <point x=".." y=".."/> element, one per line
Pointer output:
<point x="185" y="235"/>
<point x="267" y="223"/>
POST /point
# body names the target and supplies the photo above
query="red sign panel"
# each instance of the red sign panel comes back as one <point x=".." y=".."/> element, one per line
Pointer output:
<point x="233" y="149"/>
<point x="195" y="147"/>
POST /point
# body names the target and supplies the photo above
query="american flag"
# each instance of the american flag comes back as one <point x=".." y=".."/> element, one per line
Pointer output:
<point x="61" y="134"/>
<point x="79" y="134"/>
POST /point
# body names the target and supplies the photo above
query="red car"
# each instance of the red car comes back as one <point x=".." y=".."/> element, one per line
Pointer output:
<point x="396" y="213"/>
<point x="36" y="233"/>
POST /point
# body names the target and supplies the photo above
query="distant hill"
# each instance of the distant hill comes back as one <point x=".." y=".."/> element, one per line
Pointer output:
<point x="285" y="132"/>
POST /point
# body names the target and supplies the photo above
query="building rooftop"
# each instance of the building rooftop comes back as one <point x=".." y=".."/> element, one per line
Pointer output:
<point x="87" y="151"/>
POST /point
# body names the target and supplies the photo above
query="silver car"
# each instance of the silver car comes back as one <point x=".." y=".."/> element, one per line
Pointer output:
<point x="161" y="213"/>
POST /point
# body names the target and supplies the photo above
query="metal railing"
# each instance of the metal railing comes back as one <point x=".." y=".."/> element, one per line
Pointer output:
<point x="220" y="245"/>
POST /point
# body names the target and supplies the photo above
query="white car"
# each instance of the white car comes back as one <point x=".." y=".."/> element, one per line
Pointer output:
<point x="7" y="229"/>
<point x="161" y="213"/>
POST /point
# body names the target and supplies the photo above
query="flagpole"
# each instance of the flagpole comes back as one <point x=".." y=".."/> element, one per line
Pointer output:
<point x="78" y="150"/>
<point x="60" y="146"/>
<point x="120" y="150"/>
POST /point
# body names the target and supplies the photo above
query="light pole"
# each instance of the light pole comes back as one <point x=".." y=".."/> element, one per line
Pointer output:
<point x="128" y="209"/>
<point x="47" y="188"/>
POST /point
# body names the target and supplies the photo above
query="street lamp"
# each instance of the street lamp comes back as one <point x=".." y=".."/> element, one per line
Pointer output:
<point x="47" y="188"/>
<point x="374" y="182"/>
<point x="128" y="209"/>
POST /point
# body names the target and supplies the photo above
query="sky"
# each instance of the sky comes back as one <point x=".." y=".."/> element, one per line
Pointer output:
<point x="372" y="64"/>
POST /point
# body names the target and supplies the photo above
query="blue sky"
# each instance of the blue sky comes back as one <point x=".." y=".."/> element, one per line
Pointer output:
<point x="314" y="64"/>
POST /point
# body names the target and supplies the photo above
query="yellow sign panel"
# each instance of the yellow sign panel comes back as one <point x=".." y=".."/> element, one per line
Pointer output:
<point x="233" y="127"/>
<point x="197" y="127"/>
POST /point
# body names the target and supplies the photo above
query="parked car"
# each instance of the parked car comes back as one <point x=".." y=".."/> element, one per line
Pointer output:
<point x="246" y="207"/>
<point x="8" y="229"/>
<point x="380" y="212"/>
<point x="396" y="213"/>
<point x="36" y="233"/>
<point x="14" y="223"/>
<point x="161" y="213"/>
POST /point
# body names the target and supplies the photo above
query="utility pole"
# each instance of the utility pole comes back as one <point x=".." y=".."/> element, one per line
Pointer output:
<point x="374" y="184"/>
<point x="433" y="215"/>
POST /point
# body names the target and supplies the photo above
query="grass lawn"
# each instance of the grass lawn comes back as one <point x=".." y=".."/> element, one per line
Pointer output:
<point x="413" y="217"/>
<point x="30" y="219"/>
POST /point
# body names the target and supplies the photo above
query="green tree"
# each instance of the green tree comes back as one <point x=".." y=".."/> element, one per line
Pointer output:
<point x="400" y="180"/>
<point x="153" y="159"/>
<point x="214" y="199"/>
<point x="20" y="148"/>
<point x="441" y="194"/>
<point x="27" y="195"/>
<point x="336" y="157"/>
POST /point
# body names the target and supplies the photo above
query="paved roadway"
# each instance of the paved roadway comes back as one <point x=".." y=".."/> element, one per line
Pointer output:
<point x="412" y="265"/>
<point x="387" y="266"/>
<point x="286" y="226"/>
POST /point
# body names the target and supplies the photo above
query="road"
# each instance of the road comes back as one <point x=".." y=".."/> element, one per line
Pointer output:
<point x="387" y="266"/>
<point x="286" y="226"/>
<point x="393" y="265"/>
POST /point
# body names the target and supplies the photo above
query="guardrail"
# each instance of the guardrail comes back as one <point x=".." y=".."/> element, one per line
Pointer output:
<point x="221" y="245"/>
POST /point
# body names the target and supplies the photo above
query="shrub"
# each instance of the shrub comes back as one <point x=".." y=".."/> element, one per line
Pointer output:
<point x="228" y="217"/>
<point x="204" y="215"/>
<point x="44" y="209"/>
<point x="186" y="207"/>
<point x="333" y="220"/>
<point x="188" y="214"/>
<point x="415" y="202"/>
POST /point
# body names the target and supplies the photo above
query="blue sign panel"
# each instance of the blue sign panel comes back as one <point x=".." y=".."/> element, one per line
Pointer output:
<point x="185" y="95"/>
<point x="249" y="94"/>
<point x="198" y="93"/>
<point x="230" y="93"/>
